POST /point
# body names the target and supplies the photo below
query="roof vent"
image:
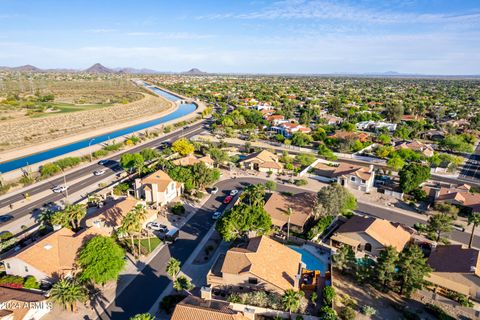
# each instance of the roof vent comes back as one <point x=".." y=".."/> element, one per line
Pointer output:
<point x="47" y="246"/>
<point x="473" y="268"/>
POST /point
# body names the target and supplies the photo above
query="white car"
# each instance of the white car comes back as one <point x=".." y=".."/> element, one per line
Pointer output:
<point x="157" y="227"/>
<point x="60" y="189"/>
<point x="98" y="172"/>
<point x="233" y="192"/>
<point x="214" y="190"/>
<point x="216" y="215"/>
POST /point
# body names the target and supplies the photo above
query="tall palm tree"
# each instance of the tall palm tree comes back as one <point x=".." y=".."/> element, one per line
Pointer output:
<point x="130" y="225"/>
<point x="474" y="220"/>
<point x="140" y="214"/>
<point x="75" y="213"/>
<point x="173" y="268"/>
<point x="291" y="300"/>
<point x="289" y="214"/>
<point x="67" y="293"/>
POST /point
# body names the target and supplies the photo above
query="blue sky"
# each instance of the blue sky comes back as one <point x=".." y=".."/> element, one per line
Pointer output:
<point x="292" y="36"/>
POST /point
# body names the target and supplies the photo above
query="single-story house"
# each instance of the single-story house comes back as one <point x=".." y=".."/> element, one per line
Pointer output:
<point x="455" y="268"/>
<point x="108" y="218"/>
<point x="459" y="195"/>
<point x="21" y="304"/>
<point x="158" y="188"/>
<point x="343" y="135"/>
<point x="331" y="119"/>
<point x="190" y="160"/>
<point x="51" y="257"/>
<point x="302" y="206"/>
<point x="263" y="264"/>
<point x="423" y="148"/>
<point x="195" y="308"/>
<point x="347" y="175"/>
<point x="370" y="235"/>
<point x="263" y="161"/>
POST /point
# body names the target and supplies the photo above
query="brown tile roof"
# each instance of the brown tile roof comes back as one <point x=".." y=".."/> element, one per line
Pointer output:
<point x="8" y="294"/>
<point x="362" y="136"/>
<point x="194" y="308"/>
<point x="55" y="254"/>
<point x="455" y="259"/>
<point x="343" y="169"/>
<point x="160" y="178"/>
<point x="383" y="231"/>
<point x="301" y="204"/>
<point x="112" y="214"/>
<point x="460" y="194"/>
<point x="266" y="259"/>
<point x="262" y="156"/>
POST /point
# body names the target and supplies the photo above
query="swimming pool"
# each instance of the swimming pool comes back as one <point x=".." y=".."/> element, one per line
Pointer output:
<point x="311" y="262"/>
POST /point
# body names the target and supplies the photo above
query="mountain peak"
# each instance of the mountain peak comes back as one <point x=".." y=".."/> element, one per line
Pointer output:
<point x="194" y="71"/>
<point x="98" y="68"/>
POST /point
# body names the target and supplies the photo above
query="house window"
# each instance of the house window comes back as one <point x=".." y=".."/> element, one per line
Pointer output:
<point x="26" y="269"/>
<point x="352" y="179"/>
<point x="252" y="281"/>
<point x="363" y="181"/>
<point x="8" y="265"/>
<point x="368" y="247"/>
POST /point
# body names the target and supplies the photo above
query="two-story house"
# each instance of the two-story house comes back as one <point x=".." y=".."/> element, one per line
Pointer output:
<point x="347" y="175"/>
<point x="158" y="188"/>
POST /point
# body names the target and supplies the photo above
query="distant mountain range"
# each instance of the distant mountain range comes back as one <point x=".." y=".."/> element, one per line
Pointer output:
<point x="100" y="69"/>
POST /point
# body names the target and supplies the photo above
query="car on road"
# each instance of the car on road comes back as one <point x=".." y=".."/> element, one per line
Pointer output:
<point x="157" y="226"/>
<point x="60" y="189"/>
<point x="216" y="215"/>
<point x="233" y="192"/>
<point x="227" y="199"/>
<point x="5" y="217"/>
<point x="98" y="172"/>
<point x="214" y="190"/>
<point x="103" y="162"/>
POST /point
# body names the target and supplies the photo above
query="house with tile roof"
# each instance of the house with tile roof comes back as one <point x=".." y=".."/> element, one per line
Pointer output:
<point x="455" y="268"/>
<point x="157" y="188"/>
<point x="347" y="175"/>
<point x="459" y="195"/>
<point x="21" y="304"/>
<point x="287" y="129"/>
<point x="109" y="218"/>
<point x="263" y="161"/>
<point x="302" y="206"/>
<point x="263" y="264"/>
<point x="51" y="257"/>
<point x="190" y="160"/>
<point x="417" y="146"/>
<point x="199" y="309"/>
<point x="370" y="235"/>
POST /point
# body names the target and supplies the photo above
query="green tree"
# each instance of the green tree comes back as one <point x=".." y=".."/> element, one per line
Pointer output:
<point x="291" y="300"/>
<point x="335" y="199"/>
<point x="131" y="161"/>
<point x="49" y="169"/>
<point x="412" y="175"/>
<point x="327" y="313"/>
<point x="75" y="212"/>
<point x="183" y="147"/>
<point x="438" y="224"/>
<point x="101" y="260"/>
<point x="131" y="225"/>
<point x="396" y="163"/>
<point x="412" y="269"/>
<point x="142" y="316"/>
<point x="305" y="159"/>
<point x="456" y="143"/>
<point x="325" y="152"/>
<point x="241" y="219"/>
<point x="328" y="295"/>
<point x="271" y="185"/>
<point x="474" y="220"/>
<point x="173" y="268"/>
<point x="67" y="293"/>
<point x="301" y="139"/>
<point x="182" y="283"/>
<point x="344" y="260"/>
<point x="149" y="154"/>
<point x="385" y="267"/>
<point x="394" y="112"/>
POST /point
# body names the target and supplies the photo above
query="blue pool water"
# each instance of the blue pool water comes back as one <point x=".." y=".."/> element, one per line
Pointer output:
<point x="181" y="111"/>
<point x="311" y="262"/>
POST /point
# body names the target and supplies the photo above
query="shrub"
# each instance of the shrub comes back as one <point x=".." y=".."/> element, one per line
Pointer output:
<point x="347" y="313"/>
<point x="31" y="283"/>
<point x="168" y="303"/>
<point x="26" y="180"/>
<point x="438" y="312"/>
<point x="113" y="147"/>
<point x="327" y="313"/>
<point x="49" y="169"/>
<point x="121" y="188"/>
<point x="99" y="153"/>
<point x="178" y="208"/>
<point x="320" y="226"/>
<point x="300" y="182"/>
<point x="328" y="295"/>
<point x="11" y="281"/>
<point x="369" y="311"/>
<point x="5" y="235"/>
<point x="68" y="162"/>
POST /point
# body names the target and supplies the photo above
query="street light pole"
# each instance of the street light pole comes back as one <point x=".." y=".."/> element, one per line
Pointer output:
<point x="65" y="185"/>
<point x="90" y="149"/>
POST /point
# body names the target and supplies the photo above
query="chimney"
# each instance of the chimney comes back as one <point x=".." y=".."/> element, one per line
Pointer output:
<point x="370" y="168"/>
<point x="296" y="281"/>
<point x="206" y="293"/>
<point x="473" y="269"/>
<point x="249" y="313"/>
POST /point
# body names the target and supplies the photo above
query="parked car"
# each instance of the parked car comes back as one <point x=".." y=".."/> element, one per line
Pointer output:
<point x="99" y="172"/>
<point x="227" y="199"/>
<point x="233" y="192"/>
<point x="5" y="217"/>
<point x="157" y="226"/>
<point x="216" y="215"/>
<point x="102" y="162"/>
<point x="214" y="190"/>
<point x="60" y="189"/>
<point x="171" y="235"/>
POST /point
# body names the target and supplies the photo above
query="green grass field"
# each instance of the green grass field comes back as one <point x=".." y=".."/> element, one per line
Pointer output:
<point x="68" y="108"/>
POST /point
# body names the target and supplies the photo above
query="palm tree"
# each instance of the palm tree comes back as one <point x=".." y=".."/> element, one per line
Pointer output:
<point x="291" y="300"/>
<point x="75" y="213"/>
<point x="142" y="316"/>
<point x="474" y="220"/>
<point x="140" y="214"/>
<point x="130" y="225"/>
<point x="173" y="268"/>
<point x="44" y="218"/>
<point x="67" y="292"/>
<point x="289" y="214"/>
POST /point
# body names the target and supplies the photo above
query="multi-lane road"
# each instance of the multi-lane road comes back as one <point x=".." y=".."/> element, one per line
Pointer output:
<point x="87" y="174"/>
